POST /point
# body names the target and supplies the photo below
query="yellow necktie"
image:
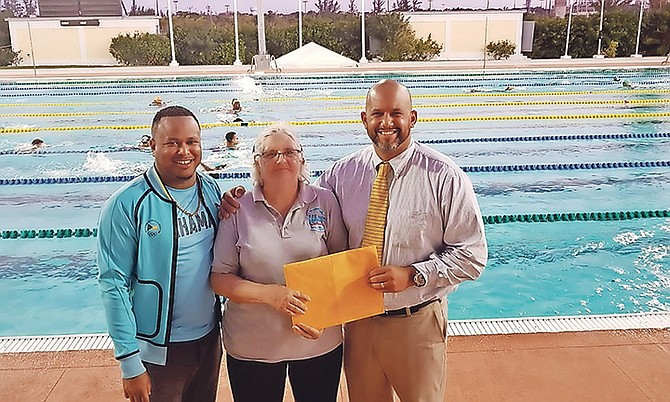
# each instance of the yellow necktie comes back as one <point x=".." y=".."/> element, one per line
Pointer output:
<point x="375" y="222"/>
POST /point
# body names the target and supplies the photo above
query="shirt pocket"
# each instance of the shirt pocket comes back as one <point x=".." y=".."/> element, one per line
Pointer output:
<point x="411" y="228"/>
<point x="147" y="303"/>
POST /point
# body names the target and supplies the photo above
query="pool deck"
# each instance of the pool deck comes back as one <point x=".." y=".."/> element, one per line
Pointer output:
<point x="621" y="365"/>
<point x="631" y="365"/>
<point x="12" y="74"/>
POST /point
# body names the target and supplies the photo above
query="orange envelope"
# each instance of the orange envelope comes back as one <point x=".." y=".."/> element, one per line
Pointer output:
<point x="338" y="286"/>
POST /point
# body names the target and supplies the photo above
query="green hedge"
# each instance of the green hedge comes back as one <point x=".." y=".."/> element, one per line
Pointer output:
<point x="209" y="40"/>
<point x="618" y="26"/>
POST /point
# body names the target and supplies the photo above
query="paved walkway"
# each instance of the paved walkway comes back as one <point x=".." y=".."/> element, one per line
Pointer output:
<point x="418" y="66"/>
<point x="612" y="366"/>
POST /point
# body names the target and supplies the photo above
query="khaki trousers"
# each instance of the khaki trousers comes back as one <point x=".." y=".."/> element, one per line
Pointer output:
<point x="402" y="353"/>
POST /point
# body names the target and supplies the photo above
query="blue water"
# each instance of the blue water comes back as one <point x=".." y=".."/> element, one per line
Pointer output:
<point x="536" y="269"/>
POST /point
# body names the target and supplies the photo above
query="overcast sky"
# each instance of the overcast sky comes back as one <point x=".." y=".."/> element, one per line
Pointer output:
<point x="287" y="6"/>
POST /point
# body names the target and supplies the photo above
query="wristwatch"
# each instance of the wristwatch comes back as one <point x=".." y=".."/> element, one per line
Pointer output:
<point x="419" y="279"/>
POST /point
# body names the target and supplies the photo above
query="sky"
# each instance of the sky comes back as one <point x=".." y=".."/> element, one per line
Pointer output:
<point x="288" y="6"/>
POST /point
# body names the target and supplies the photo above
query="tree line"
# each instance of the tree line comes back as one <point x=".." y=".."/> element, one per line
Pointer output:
<point x="206" y="38"/>
<point x="209" y="39"/>
<point x="619" y="34"/>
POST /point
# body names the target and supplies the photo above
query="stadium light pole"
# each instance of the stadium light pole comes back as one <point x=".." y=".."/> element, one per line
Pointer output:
<point x="237" y="61"/>
<point x="486" y="33"/>
<point x="363" y="60"/>
<point x="300" y="23"/>
<point x="32" y="49"/>
<point x="260" y="18"/>
<point x="174" y="62"/>
<point x="639" y="29"/>
<point x="567" y="38"/>
<point x="600" y="32"/>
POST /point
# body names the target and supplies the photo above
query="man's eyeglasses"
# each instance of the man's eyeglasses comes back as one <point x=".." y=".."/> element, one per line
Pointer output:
<point x="274" y="155"/>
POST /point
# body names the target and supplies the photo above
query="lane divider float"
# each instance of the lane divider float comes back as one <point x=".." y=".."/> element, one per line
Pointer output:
<point x="537" y="138"/>
<point x="514" y="103"/>
<point x="247" y="175"/>
<point x="488" y="220"/>
<point x="67" y="114"/>
<point x="480" y="94"/>
<point x="15" y="130"/>
<point x="59" y="104"/>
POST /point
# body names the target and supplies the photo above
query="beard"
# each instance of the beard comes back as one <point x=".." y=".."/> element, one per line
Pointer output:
<point x="386" y="146"/>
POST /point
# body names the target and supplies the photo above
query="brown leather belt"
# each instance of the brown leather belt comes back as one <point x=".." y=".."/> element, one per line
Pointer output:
<point x="408" y="311"/>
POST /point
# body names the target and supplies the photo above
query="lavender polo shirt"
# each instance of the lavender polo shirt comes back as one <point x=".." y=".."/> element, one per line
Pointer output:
<point x="433" y="222"/>
<point x="255" y="244"/>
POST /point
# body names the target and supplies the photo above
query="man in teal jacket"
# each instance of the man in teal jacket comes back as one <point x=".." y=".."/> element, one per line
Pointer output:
<point x="154" y="255"/>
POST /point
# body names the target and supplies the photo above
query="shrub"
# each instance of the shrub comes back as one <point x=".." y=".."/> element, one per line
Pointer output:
<point x="501" y="49"/>
<point x="141" y="49"/>
<point x="397" y="39"/>
<point x="8" y="57"/>
<point x="610" y="50"/>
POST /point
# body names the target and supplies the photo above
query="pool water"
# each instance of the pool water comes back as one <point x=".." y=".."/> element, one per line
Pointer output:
<point x="48" y="286"/>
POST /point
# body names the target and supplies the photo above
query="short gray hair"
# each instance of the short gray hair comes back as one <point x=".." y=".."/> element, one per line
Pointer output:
<point x="259" y="148"/>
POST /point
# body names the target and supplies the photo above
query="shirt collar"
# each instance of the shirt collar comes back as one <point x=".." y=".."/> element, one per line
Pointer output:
<point x="306" y="194"/>
<point x="399" y="162"/>
<point x="159" y="187"/>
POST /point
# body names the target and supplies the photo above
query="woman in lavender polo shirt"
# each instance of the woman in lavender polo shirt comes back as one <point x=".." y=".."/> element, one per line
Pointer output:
<point x="283" y="219"/>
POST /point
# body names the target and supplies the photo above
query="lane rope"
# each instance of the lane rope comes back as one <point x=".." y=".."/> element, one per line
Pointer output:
<point x="66" y="114"/>
<point x="423" y="77"/>
<point x="16" y="130"/>
<point x="488" y="220"/>
<point x="480" y="94"/>
<point x="247" y="175"/>
<point x="59" y="104"/>
<point x="220" y="88"/>
<point x="611" y="102"/>
<point x="162" y="91"/>
<point x="577" y="216"/>
<point x="566" y="137"/>
<point x="514" y="103"/>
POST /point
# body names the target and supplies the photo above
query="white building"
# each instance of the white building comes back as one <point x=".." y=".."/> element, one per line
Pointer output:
<point x="51" y="41"/>
<point x="464" y="34"/>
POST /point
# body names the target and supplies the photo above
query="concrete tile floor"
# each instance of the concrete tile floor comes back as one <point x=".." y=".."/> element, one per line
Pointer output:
<point x="612" y="366"/>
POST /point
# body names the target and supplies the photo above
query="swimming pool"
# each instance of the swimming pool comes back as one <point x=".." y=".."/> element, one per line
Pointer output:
<point x="576" y="120"/>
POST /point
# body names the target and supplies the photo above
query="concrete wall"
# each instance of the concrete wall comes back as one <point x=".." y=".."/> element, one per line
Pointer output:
<point x="54" y="44"/>
<point x="463" y="35"/>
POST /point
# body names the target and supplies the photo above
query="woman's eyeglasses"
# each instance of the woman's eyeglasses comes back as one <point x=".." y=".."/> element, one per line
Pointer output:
<point x="274" y="155"/>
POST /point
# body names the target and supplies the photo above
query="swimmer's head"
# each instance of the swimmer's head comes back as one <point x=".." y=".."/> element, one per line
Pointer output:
<point x="236" y="104"/>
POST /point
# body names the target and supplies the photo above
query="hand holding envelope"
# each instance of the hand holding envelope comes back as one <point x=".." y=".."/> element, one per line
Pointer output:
<point x="338" y="286"/>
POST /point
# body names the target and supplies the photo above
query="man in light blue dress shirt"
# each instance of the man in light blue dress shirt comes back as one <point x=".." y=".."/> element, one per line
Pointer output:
<point x="433" y="241"/>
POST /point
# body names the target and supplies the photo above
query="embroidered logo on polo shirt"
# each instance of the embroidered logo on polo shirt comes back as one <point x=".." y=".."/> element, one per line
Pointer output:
<point x="316" y="219"/>
<point x="152" y="228"/>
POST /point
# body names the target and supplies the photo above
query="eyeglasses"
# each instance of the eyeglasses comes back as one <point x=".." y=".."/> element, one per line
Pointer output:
<point x="274" y="155"/>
